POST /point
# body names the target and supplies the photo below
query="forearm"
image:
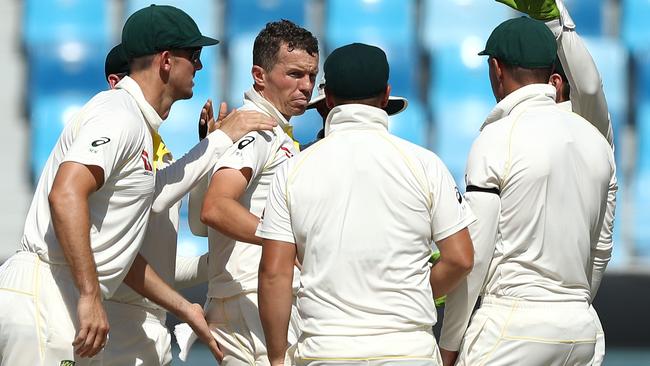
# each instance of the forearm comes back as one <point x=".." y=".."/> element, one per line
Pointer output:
<point x="275" y="298"/>
<point x="191" y="271"/>
<point x="145" y="281"/>
<point x="445" y="277"/>
<point x="71" y="221"/>
<point x="177" y="179"/>
<point x="230" y="218"/>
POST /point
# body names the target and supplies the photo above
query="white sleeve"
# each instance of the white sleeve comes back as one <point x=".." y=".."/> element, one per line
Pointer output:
<point x="191" y="271"/>
<point x="177" y="179"/>
<point x="194" y="208"/>
<point x="483" y="196"/>
<point x="587" y="94"/>
<point x="106" y="143"/>
<point x="449" y="212"/>
<point x="251" y="151"/>
<point x="276" y="219"/>
<point x="461" y="301"/>
<point x="602" y="253"/>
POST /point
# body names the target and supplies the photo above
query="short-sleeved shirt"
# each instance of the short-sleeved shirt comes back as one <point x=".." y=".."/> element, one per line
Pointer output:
<point x="363" y="208"/>
<point x="110" y="132"/>
<point x="234" y="264"/>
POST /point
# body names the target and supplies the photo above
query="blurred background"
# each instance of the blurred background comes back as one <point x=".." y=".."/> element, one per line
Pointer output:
<point x="54" y="50"/>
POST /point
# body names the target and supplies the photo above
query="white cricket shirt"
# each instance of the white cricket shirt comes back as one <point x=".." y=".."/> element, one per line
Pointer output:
<point x="234" y="265"/>
<point x="111" y="131"/>
<point x="363" y="208"/>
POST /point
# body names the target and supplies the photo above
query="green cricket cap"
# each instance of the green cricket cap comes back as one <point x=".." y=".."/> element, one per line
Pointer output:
<point x="116" y="61"/>
<point x="356" y="71"/>
<point x="158" y="28"/>
<point x="522" y="42"/>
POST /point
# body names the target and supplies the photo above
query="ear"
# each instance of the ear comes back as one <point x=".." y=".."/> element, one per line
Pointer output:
<point x="329" y="101"/>
<point x="384" y="102"/>
<point x="498" y="69"/>
<point x="259" y="76"/>
<point x="165" y="59"/>
<point x="558" y="83"/>
<point x="113" y="80"/>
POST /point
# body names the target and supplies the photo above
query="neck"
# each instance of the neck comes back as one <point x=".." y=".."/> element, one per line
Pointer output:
<point x="154" y="91"/>
<point x="260" y="91"/>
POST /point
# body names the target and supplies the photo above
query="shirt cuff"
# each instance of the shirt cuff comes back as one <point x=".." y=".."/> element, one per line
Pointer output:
<point x="271" y="235"/>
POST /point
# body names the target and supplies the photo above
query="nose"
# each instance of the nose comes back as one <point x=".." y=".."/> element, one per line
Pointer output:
<point x="306" y="85"/>
<point x="198" y="65"/>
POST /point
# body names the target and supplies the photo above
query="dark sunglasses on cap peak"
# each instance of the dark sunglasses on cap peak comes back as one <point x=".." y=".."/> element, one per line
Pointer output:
<point x="192" y="54"/>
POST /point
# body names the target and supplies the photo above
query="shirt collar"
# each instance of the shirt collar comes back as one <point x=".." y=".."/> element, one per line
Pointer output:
<point x="268" y="108"/>
<point x="150" y="115"/>
<point x="521" y="96"/>
<point x="348" y="116"/>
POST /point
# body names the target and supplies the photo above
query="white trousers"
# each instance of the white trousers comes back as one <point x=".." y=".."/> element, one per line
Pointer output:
<point x="39" y="313"/>
<point x="407" y="348"/>
<point x="235" y="323"/>
<point x="516" y="332"/>
<point x="138" y="336"/>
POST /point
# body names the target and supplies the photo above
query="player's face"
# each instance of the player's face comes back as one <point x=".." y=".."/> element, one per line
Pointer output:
<point x="185" y="64"/>
<point x="290" y="83"/>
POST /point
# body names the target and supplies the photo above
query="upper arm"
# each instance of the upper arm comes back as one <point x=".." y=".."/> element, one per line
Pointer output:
<point x="226" y="183"/>
<point x="277" y="257"/>
<point x="77" y="178"/>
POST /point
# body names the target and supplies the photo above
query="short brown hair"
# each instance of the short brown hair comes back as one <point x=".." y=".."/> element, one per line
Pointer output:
<point x="270" y="39"/>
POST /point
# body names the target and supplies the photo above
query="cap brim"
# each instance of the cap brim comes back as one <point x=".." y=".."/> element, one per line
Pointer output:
<point x="395" y="104"/>
<point x="203" y="42"/>
<point x="484" y="53"/>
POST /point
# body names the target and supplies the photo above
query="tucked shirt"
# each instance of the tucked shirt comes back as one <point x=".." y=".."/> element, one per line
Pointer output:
<point x="363" y="208"/>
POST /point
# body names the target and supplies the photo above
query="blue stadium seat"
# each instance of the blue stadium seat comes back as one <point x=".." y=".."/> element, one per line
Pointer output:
<point x="376" y="21"/>
<point x="642" y="174"/>
<point x="635" y="29"/>
<point x="611" y="58"/>
<point x="204" y="13"/>
<point x="587" y="15"/>
<point x="460" y="97"/>
<point x="250" y="16"/>
<point x="411" y="124"/>
<point x="180" y="129"/>
<point x="451" y="22"/>
<point x="46" y="21"/>
<point x="188" y="244"/>
<point x="307" y="126"/>
<point x="240" y="50"/>
<point x="49" y="114"/>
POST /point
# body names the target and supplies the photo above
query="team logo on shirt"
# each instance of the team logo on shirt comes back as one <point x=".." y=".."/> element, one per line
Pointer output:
<point x="459" y="196"/>
<point x="287" y="152"/>
<point x="145" y="160"/>
<point x="101" y="141"/>
<point x="67" y="363"/>
<point x="245" y="142"/>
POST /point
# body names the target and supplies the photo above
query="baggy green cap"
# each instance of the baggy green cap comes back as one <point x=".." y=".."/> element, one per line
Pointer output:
<point x="158" y="28"/>
<point x="356" y="71"/>
<point x="116" y="61"/>
<point x="522" y="42"/>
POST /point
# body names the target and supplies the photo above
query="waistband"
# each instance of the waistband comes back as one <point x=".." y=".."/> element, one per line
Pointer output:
<point x="505" y="301"/>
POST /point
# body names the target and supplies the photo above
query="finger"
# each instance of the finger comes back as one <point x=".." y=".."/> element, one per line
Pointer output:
<point x="81" y="337"/>
<point x="216" y="351"/>
<point x="100" y="341"/>
<point x="223" y="110"/>
<point x="88" y="349"/>
<point x="210" y="110"/>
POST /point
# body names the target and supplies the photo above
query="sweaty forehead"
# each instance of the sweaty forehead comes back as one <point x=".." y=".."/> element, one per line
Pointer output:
<point x="297" y="58"/>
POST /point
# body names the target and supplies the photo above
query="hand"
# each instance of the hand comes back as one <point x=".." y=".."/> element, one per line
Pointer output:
<point x="207" y="123"/>
<point x="448" y="357"/>
<point x="543" y="10"/>
<point x="193" y="315"/>
<point x="93" y="326"/>
<point x="239" y="123"/>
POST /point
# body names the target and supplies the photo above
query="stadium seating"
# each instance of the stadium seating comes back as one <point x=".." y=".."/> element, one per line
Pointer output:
<point x="49" y="115"/>
<point x="588" y="15"/>
<point x="250" y="16"/>
<point x="411" y="124"/>
<point x="240" y="52"/>
<point x="452" y="21"/>
<point x="634" y="24"/>
<point x="642" y="182"/>
<point x="460" y="97"/>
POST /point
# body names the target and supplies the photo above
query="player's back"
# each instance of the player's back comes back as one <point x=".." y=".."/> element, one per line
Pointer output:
<point x="555" y="182"/>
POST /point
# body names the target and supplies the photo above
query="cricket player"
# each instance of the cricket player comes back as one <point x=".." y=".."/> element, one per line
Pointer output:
<point x="361" y="209"/>
<point x="90" y="210"/>
<point x="285" y="64"/>
<point x="142" y="337"/>
<point x="538" y="179"/>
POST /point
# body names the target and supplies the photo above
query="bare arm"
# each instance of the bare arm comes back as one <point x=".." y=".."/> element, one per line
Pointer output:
<point x="456" y="261"/>
<point x="145" y="281"/>
<point x="461" y="301"/>
<point x="73" y="184"/>
<point x="275" y="296"/>
<point x="222" y="210"/>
